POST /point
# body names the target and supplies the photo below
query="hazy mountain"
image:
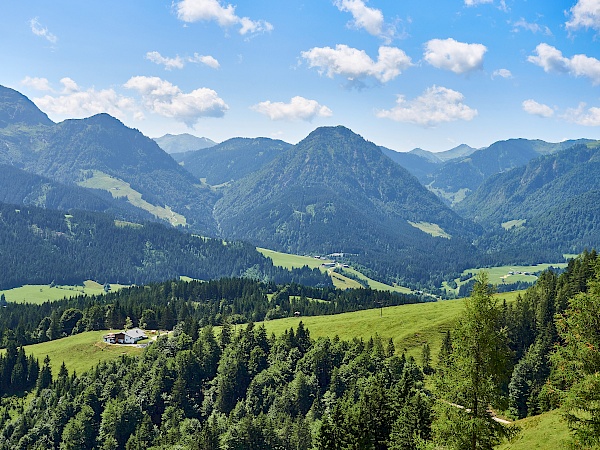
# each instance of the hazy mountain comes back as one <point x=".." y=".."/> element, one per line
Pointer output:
<point x="420" y="166"/>
<point x="15" y="108"/>
<point x="100" y="152"/>
<point x="232" y="159"/>
<point x="336" y="192"/>
<point x="23" y="188"/>
<point x="179" y="143"/>
<point x="457" y="177"/>
<point x="529" y="191"/>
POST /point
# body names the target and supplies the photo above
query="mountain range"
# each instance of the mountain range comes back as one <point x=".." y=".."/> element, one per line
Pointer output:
<point x="180" y="143"/>
<point x="334" y="192"/>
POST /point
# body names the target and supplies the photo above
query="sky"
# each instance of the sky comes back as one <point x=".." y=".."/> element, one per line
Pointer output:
<point x="403" y="74"/>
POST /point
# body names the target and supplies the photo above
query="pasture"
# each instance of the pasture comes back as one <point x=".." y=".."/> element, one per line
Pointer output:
<point x="290" y="261"/>
<point x="40" y="293"/>
<point x="80" y="352"/>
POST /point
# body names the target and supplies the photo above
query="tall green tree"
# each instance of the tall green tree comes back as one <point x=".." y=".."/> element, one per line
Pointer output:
<point x="477" y="369"/>
<point x="576" y="364"/>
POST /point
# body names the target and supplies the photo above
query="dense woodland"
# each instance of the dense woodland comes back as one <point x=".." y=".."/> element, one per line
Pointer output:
<point x="237" y="390"/>
<point x="39" y="246"/>
<point x="192" y="304"/>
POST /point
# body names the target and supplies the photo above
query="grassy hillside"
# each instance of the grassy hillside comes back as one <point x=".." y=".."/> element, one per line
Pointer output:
<point x="80" y="352"/>
<point x="547" y="431"/>
<point x="39" y="293"/>
<point x="290" y="261"/>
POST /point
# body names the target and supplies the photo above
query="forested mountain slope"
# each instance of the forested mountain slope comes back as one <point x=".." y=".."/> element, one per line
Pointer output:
<point x="179" y="143"/>
<point x="100" y="152"/>
<point x="40" y="246"/>
<point x="336" y="192"/>
<point x="232" y="159"/>
<point x="23" y="188"/>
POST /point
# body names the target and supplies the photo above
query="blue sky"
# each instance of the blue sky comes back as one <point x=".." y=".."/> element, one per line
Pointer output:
<point x="402" y="73"/>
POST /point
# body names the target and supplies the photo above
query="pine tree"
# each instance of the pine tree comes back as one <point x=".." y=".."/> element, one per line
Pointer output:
<point x="478" y="367"/>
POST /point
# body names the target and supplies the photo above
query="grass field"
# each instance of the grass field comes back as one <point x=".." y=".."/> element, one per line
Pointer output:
<point x="119" y="188"/>
<point x="430" y="228"/>
<point x="40" y="293"/>
<point x="289" y="261"/>
<point x="410" y="326"/>
<point x="80" y="352"/>
<point x="547" y="431"/>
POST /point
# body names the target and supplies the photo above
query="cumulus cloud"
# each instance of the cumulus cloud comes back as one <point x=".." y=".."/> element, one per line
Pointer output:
<point x="39" y="30"/>
<point x="589" y="117"/>
<point x="537" y="109"/>
<point x="299" y="108"/>
<point x="163" y="98"/>
<point x="39" y="84"/>
<point x="73" y="102"/>
<point x="503" y="73"/>
<point x="459" y="57"/>
<point x="224" y="15"/>
<point x="585" y="14"/>
<point x="552" y="60"/>
<point x="206" y="60"/>
<point x="355" y="64"/>
<point x="169" y="63"/>
<point x="436" y="105"/>
<point x="369" y="19"/>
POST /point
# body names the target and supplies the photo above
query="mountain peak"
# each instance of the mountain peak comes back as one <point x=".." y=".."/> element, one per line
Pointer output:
<point x="15" y="108"/>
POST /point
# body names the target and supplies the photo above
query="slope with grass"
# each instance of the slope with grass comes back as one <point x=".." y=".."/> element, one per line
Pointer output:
<point x="546" y="431"/>
<point x="80" y="352"/>
<point x="40" y="293"/>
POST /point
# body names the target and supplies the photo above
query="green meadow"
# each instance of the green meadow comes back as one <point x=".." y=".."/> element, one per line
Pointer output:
<point x="290" y="261"/>
<point x="40" y="293"/>
<point x="80" y="352"/>
<point x="547" y="431"/>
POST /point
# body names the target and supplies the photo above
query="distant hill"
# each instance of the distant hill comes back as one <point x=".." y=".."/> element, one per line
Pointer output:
<point x="552" y="203"/>
<point x="100" y="152"/>
<point x="460" y="171"/>
<point x="421" y="167"/>
<point x="232" y="159"/>
<point x="41" y="246"/>
<point x="23" y="188"/>
<point x="15" y="108"/>
<point x="336" y="192"/>
<point x="179" y="143"/>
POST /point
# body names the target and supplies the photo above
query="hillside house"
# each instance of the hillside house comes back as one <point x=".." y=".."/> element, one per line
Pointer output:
<point x="125" y="337"/>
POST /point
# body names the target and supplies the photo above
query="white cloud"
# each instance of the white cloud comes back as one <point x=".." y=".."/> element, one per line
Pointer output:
<point x="552" y="60"/>
<point x="299" y="108"/>
<point x="588" y="117"/>
<point x="69" y="86"/>
<point x="39" y="30"/>
<point x="503" y="73"/>
<point x="355" y="64"/>
<point x="370" y="19"/>
<point x="459" y="57"/>
<point x="79" y="103"/>
<point x="208" y="10"/>
<point x="538" y="109"/>
<point x="585" y="14"/>
<point x="522" y="24"/>
<point x="163" y="98"/>
<point x="205" y="59"/>
<point x="477" y="2"/>
<point x="39" y="84"/>
<point x="436" y="105"/>
<point x="169" y="63"/>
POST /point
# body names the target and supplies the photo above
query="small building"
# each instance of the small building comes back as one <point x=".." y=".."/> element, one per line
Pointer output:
<point x="125" y="337"/>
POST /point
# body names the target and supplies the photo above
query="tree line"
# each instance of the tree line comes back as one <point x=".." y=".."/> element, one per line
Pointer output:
<point x="192" y="303"/>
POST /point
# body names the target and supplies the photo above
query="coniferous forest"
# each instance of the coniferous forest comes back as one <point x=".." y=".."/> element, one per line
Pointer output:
<point x="207" y="388"/>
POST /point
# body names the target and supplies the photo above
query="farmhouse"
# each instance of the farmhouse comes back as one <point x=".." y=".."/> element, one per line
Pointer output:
<point x="125" y="337"/>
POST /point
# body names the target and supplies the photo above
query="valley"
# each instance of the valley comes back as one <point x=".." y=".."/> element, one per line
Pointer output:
<point x="207" y="243"/>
